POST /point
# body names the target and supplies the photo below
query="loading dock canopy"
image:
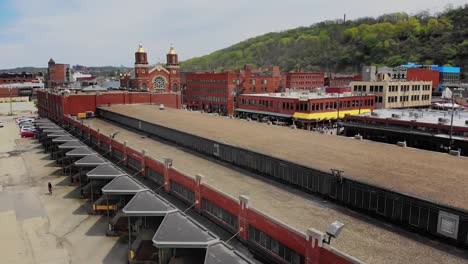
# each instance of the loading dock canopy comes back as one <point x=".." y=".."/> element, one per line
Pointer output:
<point x="147" y="203"/>
<point x="105" y="171"/>
<point x="220" y="252"/>
<point x="42" y="120"/>
<point x="123" y="185"/>
<point x="52" y="130"/>
<point x="64" y="139"/>
<point x="58" y="134"/>
<point x="71" y="145"/>
<point x="80" y="152"/>
<point x="177" y="230"/>
<point x="91" y="161"/>
<point x="44" y="127"/>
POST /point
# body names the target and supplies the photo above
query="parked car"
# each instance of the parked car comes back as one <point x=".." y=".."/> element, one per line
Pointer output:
<point x="30" y="128"/>
<point x="1" y="124"/>
<point x="23" y="119"/>
<point x="25" y="122"/>
<point x="27" y="133"/>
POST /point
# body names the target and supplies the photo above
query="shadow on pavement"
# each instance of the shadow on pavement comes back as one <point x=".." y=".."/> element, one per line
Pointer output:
<point x="84" y="209"/>
<point x="118" y="253"/>
<point x="99" y="228"/>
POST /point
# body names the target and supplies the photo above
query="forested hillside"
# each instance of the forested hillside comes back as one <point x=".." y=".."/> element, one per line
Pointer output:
<point x="338" y="46"/>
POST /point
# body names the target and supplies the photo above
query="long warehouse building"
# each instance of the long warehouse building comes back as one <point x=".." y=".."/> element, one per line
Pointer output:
<point x="420" y="190"/>
<point x="363" y="238"/>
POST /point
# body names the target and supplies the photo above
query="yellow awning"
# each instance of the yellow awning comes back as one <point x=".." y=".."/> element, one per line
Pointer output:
<point x="328" y="115"/>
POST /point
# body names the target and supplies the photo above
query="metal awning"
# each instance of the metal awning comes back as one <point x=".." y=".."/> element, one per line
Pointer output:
<point x="220" y="252"/>
<point x="177" y="230"/>
<point x="105" y="171"/>
<point x="58" y="134"/>
<point x="64" y="139"/>
<point x="80" y="152"/>
<point x="42" y="120"/>
<point x="123" y="185"/>
<point x="71" y="145"/>
<point x="91" y="161"/>
<point x="51" y="126"/>
<point x="147" y="203"/>
<point x="263" y="112"/>
<point x="52" y="130"/>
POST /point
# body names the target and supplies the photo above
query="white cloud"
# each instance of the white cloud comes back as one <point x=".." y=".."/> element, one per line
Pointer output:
<point x="107" y="32"/>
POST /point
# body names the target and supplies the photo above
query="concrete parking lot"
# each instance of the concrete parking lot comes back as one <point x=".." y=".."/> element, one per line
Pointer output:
<point x="18" y="108"/>
<point x="40" y="228"/>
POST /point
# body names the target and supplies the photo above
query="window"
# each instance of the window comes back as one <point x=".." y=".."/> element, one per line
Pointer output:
<point x="279" y="249"/>
<point x="155" y="176"/>
<point x="134" y="163"/>
<point x="220" y="213"/>
<point x="182" y="191"/>
<point x="117" y="154"/>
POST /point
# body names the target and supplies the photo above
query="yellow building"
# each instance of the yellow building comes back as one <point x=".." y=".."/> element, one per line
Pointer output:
<point x="393" y="94"/>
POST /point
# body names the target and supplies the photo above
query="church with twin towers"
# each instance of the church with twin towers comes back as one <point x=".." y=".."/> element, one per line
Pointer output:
<point x="160" y="78"/>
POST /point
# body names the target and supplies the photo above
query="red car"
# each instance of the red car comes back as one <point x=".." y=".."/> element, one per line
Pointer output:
<point x="27" y="133"/>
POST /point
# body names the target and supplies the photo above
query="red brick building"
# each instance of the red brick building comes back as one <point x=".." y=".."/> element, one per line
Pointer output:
<point x="23" y="77"/>
<point x="58" y="74"/>
<point x="217" y="92"/>
<point x="421" y="74"/>
<point x="304" y="80"/>
<point x="158" y="79"/>
<point x="302" y="108"/>
<point x="341" y="83"/>
<point x="56" y="105"/>
<point x="211" y="92"/>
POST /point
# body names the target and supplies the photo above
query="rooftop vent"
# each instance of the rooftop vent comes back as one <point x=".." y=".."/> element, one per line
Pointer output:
<point x="443" y="120"/>
<point x="374" y="114"/>
<point x="358" y="137"/>
<point x="466" y="122"/>
<point x="161" y="107"/>
<point x="454" y="153"/>
<point x="396" y="116"/>
<point x="401" y="144"/>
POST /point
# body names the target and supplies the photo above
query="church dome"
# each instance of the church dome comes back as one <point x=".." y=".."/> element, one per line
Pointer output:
<point x="140" y="49"/>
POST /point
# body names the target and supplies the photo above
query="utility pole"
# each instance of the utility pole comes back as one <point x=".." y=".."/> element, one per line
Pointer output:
<point x="451" y="124"/>
<point x="11" y="106"/>
<point x="360" y="99"/>
<point x="338" y="116"/>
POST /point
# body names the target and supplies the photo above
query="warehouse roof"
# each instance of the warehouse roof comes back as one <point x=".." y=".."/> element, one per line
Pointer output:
<point x="123" y="185"/>
<point x="91" y="161"/>
<point x="105" y="171"/>
<point x="220" y="252"/>
<point x="80" y="152"/>
<point x="363" y="238"/>
<point x="64" y="139"/>
<point x="147" y="203"/>
<point x="72" y="145"/>
<point x="421" y="116"/>
<point x="424" y="174"/>
<point x="177" y="230"/>
<point x="58" y="134"/>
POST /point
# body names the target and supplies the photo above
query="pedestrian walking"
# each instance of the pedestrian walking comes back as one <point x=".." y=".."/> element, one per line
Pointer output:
<point x="49" y="185"/>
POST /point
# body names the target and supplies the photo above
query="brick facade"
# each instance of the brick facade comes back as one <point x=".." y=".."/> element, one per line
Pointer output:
<point x="161" y="78"/>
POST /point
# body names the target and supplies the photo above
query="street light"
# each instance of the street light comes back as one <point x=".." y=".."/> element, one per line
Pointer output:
<point x="11" y="105"/>
<point x="333" y="231"/>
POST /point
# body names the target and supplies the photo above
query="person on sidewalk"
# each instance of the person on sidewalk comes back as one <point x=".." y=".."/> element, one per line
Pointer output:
<point x="49" y="185"/>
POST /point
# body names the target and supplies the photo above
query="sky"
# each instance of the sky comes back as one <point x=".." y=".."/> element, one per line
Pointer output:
<point x="107" y="32"/>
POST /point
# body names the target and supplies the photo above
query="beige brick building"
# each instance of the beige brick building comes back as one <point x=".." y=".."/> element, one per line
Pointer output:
<point x="390" y="94"/>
